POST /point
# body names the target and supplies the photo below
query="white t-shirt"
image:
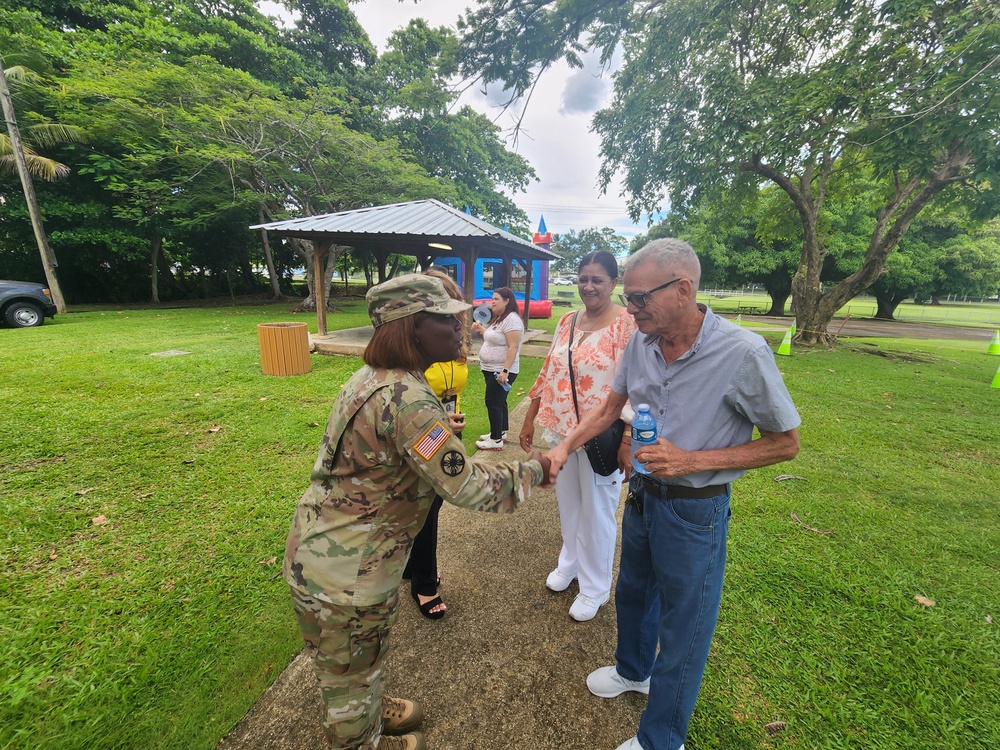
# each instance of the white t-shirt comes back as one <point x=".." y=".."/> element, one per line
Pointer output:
<point x="493" y="353"/>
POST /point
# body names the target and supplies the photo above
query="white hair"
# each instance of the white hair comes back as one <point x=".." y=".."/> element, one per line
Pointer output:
<point x="668" y="254"/>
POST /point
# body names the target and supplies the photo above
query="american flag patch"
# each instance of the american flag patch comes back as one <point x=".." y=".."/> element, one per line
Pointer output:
<point x="432" y="440"/>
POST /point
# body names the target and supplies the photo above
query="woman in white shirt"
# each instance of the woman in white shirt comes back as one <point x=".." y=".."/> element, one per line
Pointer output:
<point x="499" y="359"/>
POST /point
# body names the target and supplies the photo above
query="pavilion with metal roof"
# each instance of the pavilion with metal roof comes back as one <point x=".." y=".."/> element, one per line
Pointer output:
<point x="425" y="229"/>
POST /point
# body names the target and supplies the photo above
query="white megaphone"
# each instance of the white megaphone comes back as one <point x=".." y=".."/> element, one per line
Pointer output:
<point x="482" y="314"/>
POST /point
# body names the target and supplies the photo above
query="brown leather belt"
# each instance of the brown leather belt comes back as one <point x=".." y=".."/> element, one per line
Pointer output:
<point x="671" y="491"/>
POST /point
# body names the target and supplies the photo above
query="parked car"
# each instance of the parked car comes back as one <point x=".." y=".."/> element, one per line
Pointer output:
<point x="24" y="304"/>
<point x="559" y="281"/>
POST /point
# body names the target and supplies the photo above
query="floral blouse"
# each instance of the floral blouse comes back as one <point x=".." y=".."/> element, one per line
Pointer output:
<point x="596" y="356"/>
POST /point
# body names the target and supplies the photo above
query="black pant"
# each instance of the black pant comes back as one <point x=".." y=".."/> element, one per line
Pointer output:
<point x="422" y="567"/>
<point x="496" y="403"/>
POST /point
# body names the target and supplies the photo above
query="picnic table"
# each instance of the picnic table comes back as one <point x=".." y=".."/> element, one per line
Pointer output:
<point x="748" y="310"/>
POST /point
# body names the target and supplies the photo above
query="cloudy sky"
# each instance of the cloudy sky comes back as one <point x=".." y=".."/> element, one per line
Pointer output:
<point x="555" y="134"/>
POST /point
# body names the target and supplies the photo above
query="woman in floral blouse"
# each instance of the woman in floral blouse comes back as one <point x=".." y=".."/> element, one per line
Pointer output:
<point x="587" y="501"/>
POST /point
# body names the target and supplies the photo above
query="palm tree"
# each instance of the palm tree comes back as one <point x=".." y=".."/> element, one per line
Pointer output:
<point x="15" y="155"/>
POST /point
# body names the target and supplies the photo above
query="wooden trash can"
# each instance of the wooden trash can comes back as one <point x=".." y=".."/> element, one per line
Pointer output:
<point x="284" y="348"/>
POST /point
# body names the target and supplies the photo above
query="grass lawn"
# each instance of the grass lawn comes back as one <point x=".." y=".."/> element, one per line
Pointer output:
<point x="146" y="500"/>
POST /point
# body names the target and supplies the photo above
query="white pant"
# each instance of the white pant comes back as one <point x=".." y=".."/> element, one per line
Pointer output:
<point x="587" y="505"/>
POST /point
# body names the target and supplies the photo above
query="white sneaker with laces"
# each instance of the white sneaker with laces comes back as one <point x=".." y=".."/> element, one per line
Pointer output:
<point x="489" y="445"/>
<point x="607" y="683"/>
<point x="558" y="581"/>
<point x="503" y="437"/>
<point x="585" y="607"/>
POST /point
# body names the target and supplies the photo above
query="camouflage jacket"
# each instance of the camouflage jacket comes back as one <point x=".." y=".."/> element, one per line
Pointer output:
<point x="386" y="452"/>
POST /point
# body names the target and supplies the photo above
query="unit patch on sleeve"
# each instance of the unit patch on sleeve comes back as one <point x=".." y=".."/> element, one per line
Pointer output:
<point x="453" y="463"/>
<point x="431" y="441"/>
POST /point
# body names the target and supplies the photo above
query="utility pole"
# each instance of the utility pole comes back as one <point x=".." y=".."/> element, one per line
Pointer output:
<point x="48" y="257"/>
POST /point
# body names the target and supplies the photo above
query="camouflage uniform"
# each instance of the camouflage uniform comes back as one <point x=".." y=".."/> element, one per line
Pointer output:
<point x="386" y="452"/>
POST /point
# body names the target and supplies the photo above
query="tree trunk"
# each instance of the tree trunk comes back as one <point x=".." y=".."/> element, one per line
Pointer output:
<point x="308" y="250"/>
<point x="814" y="309"/>
<point x="49" y="263"/>
<point x="276" y="295"/>
<point x="154" y="268"/>
<point x="246" y="271"/>
<point x="886" y="306"/>
<point x="778" y="301"/>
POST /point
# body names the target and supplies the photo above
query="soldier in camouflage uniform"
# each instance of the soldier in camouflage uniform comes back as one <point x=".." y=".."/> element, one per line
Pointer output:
<point x="386" y="452"/>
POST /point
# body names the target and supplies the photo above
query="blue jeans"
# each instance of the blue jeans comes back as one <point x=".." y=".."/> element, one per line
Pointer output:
<point x="668" y="592"/>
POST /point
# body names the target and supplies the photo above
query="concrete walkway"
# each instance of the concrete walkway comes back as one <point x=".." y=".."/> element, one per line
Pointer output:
<point x="505" y="668"/>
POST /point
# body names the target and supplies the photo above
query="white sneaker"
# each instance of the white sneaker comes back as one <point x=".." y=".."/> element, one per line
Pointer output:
<point x="633" y="744"/>
<point x="585" y="608"/>
<point x="558" y="581"/>
<point x="503" y="437"/>
<point x="486" y="444"/>
<point x="607" y="683"/>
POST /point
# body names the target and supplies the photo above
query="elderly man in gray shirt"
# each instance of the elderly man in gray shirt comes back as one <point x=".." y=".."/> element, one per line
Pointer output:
<point x="708" y="383"/>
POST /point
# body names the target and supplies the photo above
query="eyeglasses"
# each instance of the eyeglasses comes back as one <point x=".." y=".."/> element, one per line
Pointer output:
<point x="639" y="298"/>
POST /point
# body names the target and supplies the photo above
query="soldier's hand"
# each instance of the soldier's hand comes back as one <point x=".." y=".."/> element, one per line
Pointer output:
<point x="537" y="455"/>
<point x="457" y="422"/>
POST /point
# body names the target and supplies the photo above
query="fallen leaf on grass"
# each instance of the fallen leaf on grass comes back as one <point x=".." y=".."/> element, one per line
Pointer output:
<point x="989" y="620"/>
<point x="784" y="477"/>
<point x="263" y="398"/>
<point x="144" y="495"/>
<point x="268" y="561"/>
<point x="806" y="526"/>
<point x="81" y="493"/>
<point x="774" y="727"/>
<point x="53" y="556"/>
<point x="99" y="520"/>
<point x="216" y="428"/>
<point x="314" y="424"/>
<point x="923" y="600"/>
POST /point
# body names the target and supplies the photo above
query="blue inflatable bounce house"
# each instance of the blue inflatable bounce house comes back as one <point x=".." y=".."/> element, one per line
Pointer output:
<point x="491" y="274"/>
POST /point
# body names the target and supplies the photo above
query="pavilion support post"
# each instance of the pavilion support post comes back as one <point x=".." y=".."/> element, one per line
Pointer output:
<point x="469" y="287"/>
<point x="469" y="277"/>
<point x="527" y="289"/>
<point x="321" y="250"/>
<point x="382" y="258"/>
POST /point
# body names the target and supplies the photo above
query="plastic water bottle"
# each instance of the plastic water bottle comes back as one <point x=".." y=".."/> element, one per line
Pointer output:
<point x="643" y="433"/>
<point x="506" y="386"/>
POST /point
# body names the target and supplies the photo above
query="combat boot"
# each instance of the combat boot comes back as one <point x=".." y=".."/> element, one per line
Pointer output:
<point x="412" y="741"/>
<point x="399" y="715"/>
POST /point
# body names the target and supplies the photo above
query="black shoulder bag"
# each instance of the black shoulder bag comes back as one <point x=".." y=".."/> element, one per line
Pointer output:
<point x="603" y="449"/>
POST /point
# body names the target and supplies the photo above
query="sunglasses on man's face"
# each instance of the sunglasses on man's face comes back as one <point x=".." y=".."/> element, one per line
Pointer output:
<point x="639" y="298"/>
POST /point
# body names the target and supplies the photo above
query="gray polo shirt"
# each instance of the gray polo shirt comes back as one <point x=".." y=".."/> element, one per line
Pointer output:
<point x="710" y="397"/>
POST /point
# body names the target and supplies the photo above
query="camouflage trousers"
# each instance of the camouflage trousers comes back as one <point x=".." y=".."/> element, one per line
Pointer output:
<point x="348" y="645"/>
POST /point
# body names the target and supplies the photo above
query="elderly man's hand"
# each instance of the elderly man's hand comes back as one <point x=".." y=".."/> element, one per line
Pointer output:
<point x="557" y="457"/>
<point x="665" y="460"/>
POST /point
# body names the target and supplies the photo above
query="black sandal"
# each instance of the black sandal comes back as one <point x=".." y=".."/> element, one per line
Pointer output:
<point x="426" y="607"/>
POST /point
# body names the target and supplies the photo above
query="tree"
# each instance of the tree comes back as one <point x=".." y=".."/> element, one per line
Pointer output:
<point x="573" y="246"/>
<point x="27" y="161"/>
<point x="790" y="93"/>
<point x="463" y="147"/>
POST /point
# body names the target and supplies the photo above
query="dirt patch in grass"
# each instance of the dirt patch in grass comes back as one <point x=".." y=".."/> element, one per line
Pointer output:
<point x="892" y="354"/>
